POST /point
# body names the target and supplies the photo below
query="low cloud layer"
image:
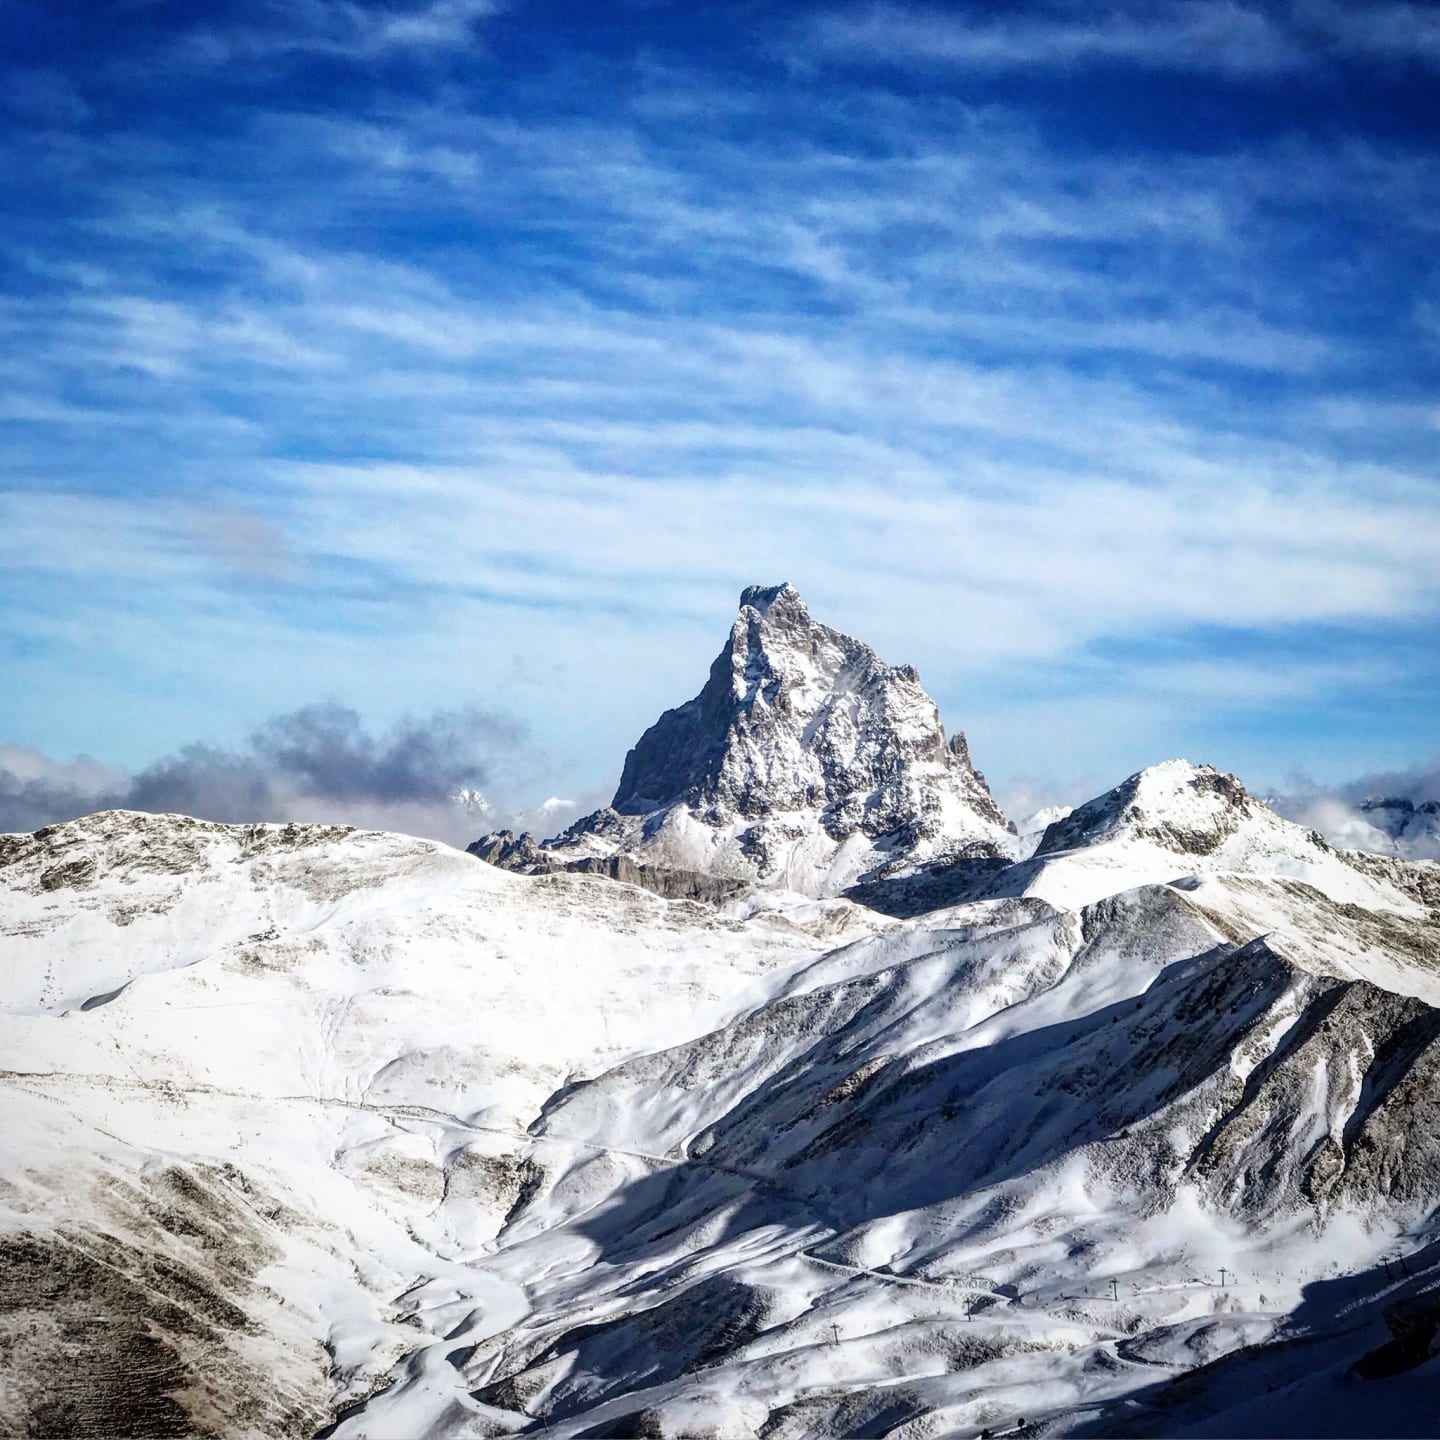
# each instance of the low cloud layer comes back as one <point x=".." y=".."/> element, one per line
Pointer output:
<point x="1390" y="812"/>
<point x="426" y="776"/>
<point x="317" y="763"/>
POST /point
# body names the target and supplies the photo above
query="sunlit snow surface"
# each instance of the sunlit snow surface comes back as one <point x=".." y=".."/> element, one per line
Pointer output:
<point x="305" y="1122"/>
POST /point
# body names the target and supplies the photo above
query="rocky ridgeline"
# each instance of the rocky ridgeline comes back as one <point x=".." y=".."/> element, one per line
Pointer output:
<point x="804" y="762"/>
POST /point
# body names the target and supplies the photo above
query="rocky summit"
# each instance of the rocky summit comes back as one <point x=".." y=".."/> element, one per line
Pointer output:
<point x="805" y="762"/>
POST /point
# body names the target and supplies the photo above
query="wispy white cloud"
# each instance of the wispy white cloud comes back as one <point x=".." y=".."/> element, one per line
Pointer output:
<point x="1395" y="30"/>
<point x="1240" y="38"/>
<point x="1039" y="567"/>
<point x="1221" y="35"/>
<point x="990" y="403"/>
<point x="344" y="29"/>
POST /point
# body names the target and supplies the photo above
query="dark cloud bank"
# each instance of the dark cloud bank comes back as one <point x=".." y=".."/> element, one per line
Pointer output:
<point x="316" y="763"/>
<point x="319" y="763"/>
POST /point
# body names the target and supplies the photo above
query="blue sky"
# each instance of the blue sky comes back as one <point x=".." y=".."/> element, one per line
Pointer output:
<point x="420" y="357"/>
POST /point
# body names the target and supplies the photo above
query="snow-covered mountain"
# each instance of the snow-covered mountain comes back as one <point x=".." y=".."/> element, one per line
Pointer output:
<point x="312" y="1130"/>
<point x="805" y="763"/>
<point x="1176" y="818"/>
<point x="1031" y="828"/>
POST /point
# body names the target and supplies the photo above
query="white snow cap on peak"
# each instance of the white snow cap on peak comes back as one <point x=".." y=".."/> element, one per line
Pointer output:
<point x="1176" y="819"/>
<point x="1175" y="803"/>
<point x="473" y="801"/>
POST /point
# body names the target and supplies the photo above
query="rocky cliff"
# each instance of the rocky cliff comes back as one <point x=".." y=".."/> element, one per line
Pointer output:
<point x="805" y="762"/>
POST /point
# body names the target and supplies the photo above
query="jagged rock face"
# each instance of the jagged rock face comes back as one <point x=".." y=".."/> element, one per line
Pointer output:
<point x="1337" y="1110"/>
<point x="508" y="850"/>
<point x="522" y="853"/>
<point x="797" y="716"/>
<point x="801" y="742"/>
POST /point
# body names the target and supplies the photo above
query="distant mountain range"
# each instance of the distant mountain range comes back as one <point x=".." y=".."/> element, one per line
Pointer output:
<point x="1412" y="825"/>
<point x="851" y="1110"/>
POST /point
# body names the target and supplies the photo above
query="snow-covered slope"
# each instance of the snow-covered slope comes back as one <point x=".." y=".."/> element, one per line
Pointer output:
<point x="891" y="1200"/>
<point x="1178" y="819"/>
<point x="805" y="762"/>
<point x="261" y="1081"/>
<point x="946" y="1143"/>
<point x="309" y="1127"/>
<point x="305" y="1119"/>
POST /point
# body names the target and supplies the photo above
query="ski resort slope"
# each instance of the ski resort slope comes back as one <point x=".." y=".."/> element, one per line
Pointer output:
<point x="950" y="1147"/>
<point x="1018" y="1159"/>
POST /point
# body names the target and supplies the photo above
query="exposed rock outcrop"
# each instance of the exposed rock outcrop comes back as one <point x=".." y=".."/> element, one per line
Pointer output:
<point x="805" y="762"/>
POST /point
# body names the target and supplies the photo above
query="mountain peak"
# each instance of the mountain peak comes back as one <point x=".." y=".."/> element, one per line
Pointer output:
<point x="783" y="597"/>
<point x="1177" y="821"/>
<point x="1189" y="808"/>
<point x="805" y="760"/>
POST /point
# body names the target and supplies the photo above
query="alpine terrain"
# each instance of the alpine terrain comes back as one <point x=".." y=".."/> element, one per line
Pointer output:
<point x="794" y="1094"/>
<point x="805" y="763"/>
